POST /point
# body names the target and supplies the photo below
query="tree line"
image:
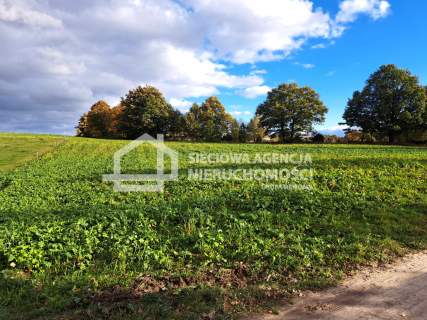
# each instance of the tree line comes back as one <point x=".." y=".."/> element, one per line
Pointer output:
<point x="145" y="110"/>
<point x="392" y="107"/>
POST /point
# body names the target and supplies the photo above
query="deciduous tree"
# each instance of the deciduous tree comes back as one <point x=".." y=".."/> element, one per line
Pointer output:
<point x="145" y="110"/>
<point x="290" y="110"/>
<point x="98" y="122"/>
<point x="243" y="133"/>
<point x="255" y="132"/>
<point x="208" y="122"/>
<point x="193" y="122"/>
<point x="234" y="129"/>
<point x="82" y="127"/>
<point x="391" y="102"/>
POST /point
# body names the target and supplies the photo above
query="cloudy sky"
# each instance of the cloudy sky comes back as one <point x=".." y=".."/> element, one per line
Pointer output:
<point x="58" y="57"/>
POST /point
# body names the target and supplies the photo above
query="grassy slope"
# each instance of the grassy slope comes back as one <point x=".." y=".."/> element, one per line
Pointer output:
<point x="17" y="149"/>
<point x="214" y="247"/>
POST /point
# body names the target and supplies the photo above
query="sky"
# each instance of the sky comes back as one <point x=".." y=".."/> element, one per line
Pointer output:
<point x="58" y="57"/>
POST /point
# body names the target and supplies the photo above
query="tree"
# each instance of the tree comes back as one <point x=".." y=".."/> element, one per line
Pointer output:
<point x="243" y="133"/>
<point x="117" y="113"/>
<point x="208" y="122"/>
<point x="145" y="110"/>
<point x="98" y="122"/>
<point x="424" y="125"/>
<point x="193" y="122"/>
<point x="359" y="114"/>
<point x="391" y="102"/>
<point x="290" y="110"/>
<point x="354" y="136"/>
<point x="215" y="121"/>
<point x="255" y="131"/>
<point x="318" y="138"/>
<point x="332" y="139"/>
<point x="234" y="129"/>
<point x="82" y="127"/>
<point x="176" y="125"/>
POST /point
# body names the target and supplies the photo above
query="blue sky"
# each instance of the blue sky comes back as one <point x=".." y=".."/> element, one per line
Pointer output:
<point x="58" y="57"/>
<point x="344" y="65"/>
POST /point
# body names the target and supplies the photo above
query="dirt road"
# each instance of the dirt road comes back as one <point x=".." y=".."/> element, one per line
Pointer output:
<point x="397" y="291"/>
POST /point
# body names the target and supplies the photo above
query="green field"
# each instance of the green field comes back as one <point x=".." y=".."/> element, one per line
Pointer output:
<point x="72" y="248"/>
<point x="16" y="149"/>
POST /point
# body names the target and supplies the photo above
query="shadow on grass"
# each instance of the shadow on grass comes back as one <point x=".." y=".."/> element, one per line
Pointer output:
<point x="20" y="298"/>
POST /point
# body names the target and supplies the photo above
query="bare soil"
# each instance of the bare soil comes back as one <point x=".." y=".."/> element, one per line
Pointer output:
<point x="396" y="291"/>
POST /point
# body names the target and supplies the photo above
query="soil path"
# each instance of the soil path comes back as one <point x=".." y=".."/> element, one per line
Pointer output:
<point x="396" y="291"/>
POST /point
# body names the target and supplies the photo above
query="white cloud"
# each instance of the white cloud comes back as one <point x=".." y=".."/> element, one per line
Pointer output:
<point x="305" y="65"/>
<point x="16" y="11"/>
<point x="308" y="65"/>
<point x="68" y="54"/>
<point x="181" y="104"/>
<point x="255" y="91"/>
<point x="180" y="72"/>
<point x="256" y="71"/>
<point x="350" y="9"/>
<point x="57" y="62"/>
<point x="241" y="113"/>
<point x="260" y="30"/>
<point x="337" y="127"/>
<point x="318" y="46"/>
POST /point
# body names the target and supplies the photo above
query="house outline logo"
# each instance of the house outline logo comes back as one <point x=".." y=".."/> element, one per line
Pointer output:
<point x="160" y="177"/>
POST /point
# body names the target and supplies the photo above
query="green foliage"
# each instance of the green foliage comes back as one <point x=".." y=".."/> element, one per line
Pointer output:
<point x="69" y="243"/>
<point x="254" y="130"/>
<point x="208" y="122"/>
<point x="290" y="110"/>
<point x="234" y="130"/>
<point x="193" y="122"/>
<point x="145" y="110"/>
<point x="177" y="126"/>
<point x="391" y="103"/>
<point x="243" y="133"/>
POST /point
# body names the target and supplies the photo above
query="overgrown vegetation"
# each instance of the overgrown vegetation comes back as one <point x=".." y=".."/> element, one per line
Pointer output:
<point x="72" y="248"/>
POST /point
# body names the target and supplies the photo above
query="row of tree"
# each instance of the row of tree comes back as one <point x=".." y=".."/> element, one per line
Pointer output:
<point x="391" y="107"/>
<point x="145" y="110"/>
<point x="288" y="111"/>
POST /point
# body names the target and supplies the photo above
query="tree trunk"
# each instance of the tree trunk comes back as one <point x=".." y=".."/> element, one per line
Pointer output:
<point x="292" y="131"/>
<point x="282" y="134"/>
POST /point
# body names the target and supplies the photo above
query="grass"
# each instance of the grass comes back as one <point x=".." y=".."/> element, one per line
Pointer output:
<point x="17" y="149"/>
<point x="72" y="248"/>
